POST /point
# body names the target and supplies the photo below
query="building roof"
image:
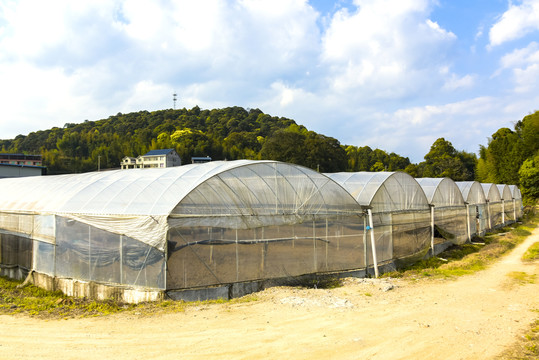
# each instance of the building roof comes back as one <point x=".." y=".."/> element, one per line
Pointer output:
<point x="26" y="166"/>
<point x="158" y="152"/>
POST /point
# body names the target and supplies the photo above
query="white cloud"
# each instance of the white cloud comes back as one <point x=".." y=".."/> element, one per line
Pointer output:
<point x="516" y="22"/>
<point x="386" y="49"/>
<point x="455" y="82"/>
<point x="524" y="66"/>
<point x="376" y="72"/>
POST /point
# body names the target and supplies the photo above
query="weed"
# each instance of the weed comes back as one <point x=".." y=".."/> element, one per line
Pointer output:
<point x="532" y="253"/>
<point x="527" y="347"/>
<point x="522" y="278"/>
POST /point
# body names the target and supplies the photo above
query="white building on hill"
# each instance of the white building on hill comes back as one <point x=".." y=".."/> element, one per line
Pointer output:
<point x="153" y="159"/>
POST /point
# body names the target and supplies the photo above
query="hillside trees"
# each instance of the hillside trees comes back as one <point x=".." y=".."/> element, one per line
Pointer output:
<point x="299" y="146"/>
<point x="230" y="133"/>
<point x="365" y="159"/>
<point x="443" y="160"/>
<point x="511" y="157"/>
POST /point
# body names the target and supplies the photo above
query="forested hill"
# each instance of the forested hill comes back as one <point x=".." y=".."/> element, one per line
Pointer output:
<point x="229" y="133"/>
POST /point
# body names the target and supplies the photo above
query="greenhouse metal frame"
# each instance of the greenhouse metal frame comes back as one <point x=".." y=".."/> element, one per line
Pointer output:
<point x="166" y="230"/>
<point x="398" y="210"/>
<point x="475" y="200"/>
<point x="517" y="200"/>
<point x="218" y="229"/>
<point x="449" y="214"/>
<point x="494" y="205"/>
<point x="508" y="205"/>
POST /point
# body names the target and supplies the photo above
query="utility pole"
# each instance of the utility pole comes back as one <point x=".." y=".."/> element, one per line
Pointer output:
<point x="98" y="162"/>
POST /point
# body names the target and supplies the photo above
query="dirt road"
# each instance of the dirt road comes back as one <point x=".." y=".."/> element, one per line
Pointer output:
<point x="474" y="317"/>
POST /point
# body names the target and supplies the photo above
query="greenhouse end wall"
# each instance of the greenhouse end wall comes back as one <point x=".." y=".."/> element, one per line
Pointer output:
<point x="64" y="254"/>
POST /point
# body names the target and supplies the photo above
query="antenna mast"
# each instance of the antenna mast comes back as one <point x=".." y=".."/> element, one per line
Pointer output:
<point x="174" y="98"/>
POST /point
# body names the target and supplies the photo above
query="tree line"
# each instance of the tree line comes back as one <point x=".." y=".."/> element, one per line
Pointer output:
<point x="231" y="133"/>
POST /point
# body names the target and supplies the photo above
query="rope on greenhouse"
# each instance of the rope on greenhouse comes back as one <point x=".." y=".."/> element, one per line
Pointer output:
<point x="244" y="242"/>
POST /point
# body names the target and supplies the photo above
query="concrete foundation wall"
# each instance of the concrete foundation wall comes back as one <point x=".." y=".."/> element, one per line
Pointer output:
<point x="13" y="272"/>
<point x="235" y="290"/>
<point x="100" y="291"/>
<point x="97" y="291"/>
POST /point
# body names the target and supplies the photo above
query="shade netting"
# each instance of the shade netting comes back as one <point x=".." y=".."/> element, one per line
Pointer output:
<point x="474" y="197"/>
<point x="450" y="213"/>
<point x="399" y="208"/>
<point x="508" y="205"/>
<point x="517" y="199"/>
<point x="188" y="226"/>
<point x="494" y="205"/>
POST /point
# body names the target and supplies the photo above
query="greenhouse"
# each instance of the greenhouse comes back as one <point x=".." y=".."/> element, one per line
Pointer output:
<point x="494" y="205"/>
<point x="475" y="200"/>
<point x="144" y="232"/>
<point x="517" y="200"/>
<point x="398" y="209"/>
<point x="508" y="205"/>
<point x="448" y="212"/>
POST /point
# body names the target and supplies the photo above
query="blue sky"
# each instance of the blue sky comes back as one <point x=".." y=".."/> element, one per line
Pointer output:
<point x="390" y="74"/>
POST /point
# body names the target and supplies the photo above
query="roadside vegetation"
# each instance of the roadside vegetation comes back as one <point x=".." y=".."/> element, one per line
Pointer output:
<point x="31" y="300"/>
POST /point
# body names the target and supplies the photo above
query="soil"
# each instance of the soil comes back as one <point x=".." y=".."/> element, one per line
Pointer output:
<point x="474" y="317"/>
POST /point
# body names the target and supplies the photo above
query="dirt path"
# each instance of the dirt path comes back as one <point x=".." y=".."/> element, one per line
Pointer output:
<point x="474" y="317"/>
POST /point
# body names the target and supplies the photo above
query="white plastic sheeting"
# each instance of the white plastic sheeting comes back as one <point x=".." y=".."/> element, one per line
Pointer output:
<point x="211" y="223"/>
<point x="508" y="206"/>
<point x="473" y="195"/>
<point x="383" y="191"/>
<point x="450" y="215"/>
<point x="137" y="202"/>
<point x="517" y="199"/>
<point x="399" y="208"/>
<point x="494" y="205"/>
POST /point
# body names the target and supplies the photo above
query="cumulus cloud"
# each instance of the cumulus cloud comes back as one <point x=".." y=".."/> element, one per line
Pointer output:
<point x="523" y="64"/>
<point x="388" y="49"/>
<point x="373" y="72"/>
<point x="516" y="22"/>
<point x="455" y="82"/>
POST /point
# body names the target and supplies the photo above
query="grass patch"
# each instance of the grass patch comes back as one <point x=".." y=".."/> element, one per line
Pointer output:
<point x="522" y="278"/>
<point x="34" y="301"/>
<point x="532" y="253"/>
<point x="527" y="347"/>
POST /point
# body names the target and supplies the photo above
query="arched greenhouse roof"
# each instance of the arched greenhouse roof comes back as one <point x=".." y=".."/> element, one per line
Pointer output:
<point x="505" y="192"/>
<point x="492" y="194"/>
<point x="383" y="191"/>
<point x="472" y="192"/>
<point x="138" y="202"/>
<point x="515" y="192"/>
<point x="441" y="192"/>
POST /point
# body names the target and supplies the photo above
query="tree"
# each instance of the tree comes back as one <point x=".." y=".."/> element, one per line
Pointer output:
<point x="443" y="160"/>
<point x="285" y="145"/>
<point x="529" y="178"/>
